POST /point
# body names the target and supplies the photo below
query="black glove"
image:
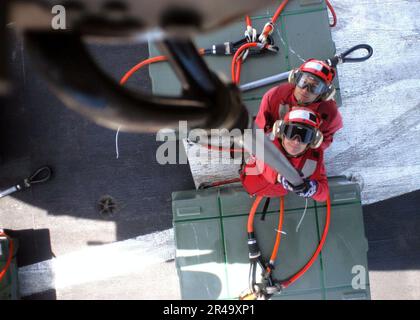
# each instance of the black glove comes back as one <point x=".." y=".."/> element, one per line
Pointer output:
<point x="307" y="189"/>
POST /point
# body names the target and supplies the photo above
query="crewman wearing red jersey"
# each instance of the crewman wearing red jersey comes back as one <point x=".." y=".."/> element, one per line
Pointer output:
<point x="299" y="138"/>
<point x="309" y="86"/>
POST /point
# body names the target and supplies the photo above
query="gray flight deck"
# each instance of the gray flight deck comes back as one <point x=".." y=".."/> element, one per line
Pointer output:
<point x="65" y="244"/>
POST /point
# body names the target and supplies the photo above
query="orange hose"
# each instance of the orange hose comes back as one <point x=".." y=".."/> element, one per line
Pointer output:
<point x="245" y="46"/>
<point x="236" y="74"/>
<point x="278" y="236"/>
<point x="140" y="65"/>
<point x="9" y="258"/>
<point x="238" y="71"/>
<point x="333" y="14"/>
<point x="250" y="226"/>
<point x="248" y="21"/>
<point x="146" y="62"/>
<point x="318" y="249"/>
<point x="278" y="11"/>
<point x="301" y="272"/>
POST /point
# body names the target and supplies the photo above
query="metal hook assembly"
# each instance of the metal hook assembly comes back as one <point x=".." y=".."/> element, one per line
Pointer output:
<point x="42" y="174"/>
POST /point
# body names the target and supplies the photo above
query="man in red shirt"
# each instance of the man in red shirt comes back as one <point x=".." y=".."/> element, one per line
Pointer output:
<point x="298" y="137"/>
<point x="309" y="86"/>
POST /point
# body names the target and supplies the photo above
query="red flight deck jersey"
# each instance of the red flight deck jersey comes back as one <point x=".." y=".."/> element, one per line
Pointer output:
<point x="283" y="95"/>
<point x="310" y="164"/>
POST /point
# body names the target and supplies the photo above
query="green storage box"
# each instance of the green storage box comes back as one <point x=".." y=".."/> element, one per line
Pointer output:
<point x="212" y="253"/>
<point x="9" y="283"/>
<point x="302" y="32"/>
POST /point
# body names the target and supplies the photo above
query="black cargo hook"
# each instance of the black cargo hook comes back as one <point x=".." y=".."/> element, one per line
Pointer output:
<point x="206" y="102"/>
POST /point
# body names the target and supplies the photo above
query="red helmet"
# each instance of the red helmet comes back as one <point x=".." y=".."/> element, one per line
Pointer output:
<point x="301" y="122"/>
<point x="303" y="116"/>
<point x="320" y="69"/>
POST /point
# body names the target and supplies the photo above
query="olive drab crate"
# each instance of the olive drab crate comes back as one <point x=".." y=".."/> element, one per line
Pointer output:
<point x="302" y="32"/>
<point x="212" y="253"/>
<point x="9" y="283"/>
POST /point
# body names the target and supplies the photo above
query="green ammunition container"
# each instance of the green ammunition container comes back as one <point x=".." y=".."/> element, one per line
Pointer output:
<point x="302" y="32"/>
<point x="9" y="289"/>
<point x="212" y="253"/>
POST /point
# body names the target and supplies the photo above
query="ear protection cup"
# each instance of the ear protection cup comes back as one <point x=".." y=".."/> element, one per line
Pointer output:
<point x="293" y="75"/>
<point x="319" y="138"/>
<point x="329" y="94"/>
<point x="277" y="128"/>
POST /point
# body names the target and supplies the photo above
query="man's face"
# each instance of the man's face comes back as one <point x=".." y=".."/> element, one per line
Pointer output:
<point x="304" y="89"/>
<point x="294" y="146"/>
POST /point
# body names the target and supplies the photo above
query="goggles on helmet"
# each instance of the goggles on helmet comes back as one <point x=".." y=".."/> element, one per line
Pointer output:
<point x="314" y="85"/>
<point x="296" y="130"/>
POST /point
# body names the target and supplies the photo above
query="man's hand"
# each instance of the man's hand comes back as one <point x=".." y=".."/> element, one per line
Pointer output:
<point x="307" y="189"/>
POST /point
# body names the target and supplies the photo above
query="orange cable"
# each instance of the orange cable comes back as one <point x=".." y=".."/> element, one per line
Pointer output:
<point x="278" y="236"/>
<point x="248" y="21"/>
<point x="236" y="74"/>
<point x="318" y="250"/>
<point x="250" y="225"/>
<point x="238" y="71"/>
<point x="146" y="62"/>
<point x="140" y="65"/>
<point x="278" y="11"/>
<point x="333" y="14"/>
<point x="235" y="58"/>
<point x="9" y="258"/>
